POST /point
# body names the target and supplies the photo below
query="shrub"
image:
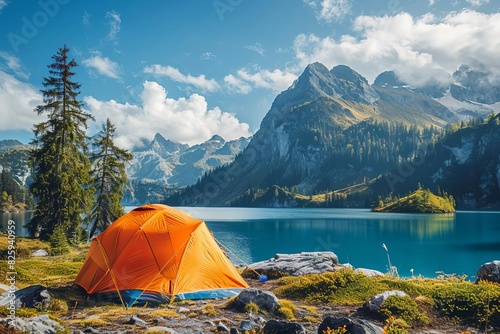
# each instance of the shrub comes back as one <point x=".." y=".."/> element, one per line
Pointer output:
<point x="404" y="308"/>
<point x="286" y="309"/>
<point x="395" y="326"/>
<point x="339" y="330"/>
<point x="58" y="242"/>
<point x="252" y="308"/>
<point x="339" y="287"/>
<point x="475" y="304"/>
<point x="57" y="305"/>
<point x="209" y="309"/>
<point x="94" y="322"/>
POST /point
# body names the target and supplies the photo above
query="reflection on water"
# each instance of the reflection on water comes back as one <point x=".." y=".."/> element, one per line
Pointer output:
<point x="21" y="218"/>
<point x="421" y="226"/>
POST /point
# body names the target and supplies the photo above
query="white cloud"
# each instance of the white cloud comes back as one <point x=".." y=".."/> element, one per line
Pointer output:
<point x="13" y="63"/>
<point x="18" y="101"/>
<point x="209" y="85"/>
<point x="103" y="65"/>
<point x="237" y="85"/>
<point x="114" y="26"/>
<point x="417" y="49"/>
<point x="186" y="120"/>
<point x="257" y="47"/>
<point x="244" y="81"/>
<point x="86" y="19"/>
<point x="477" y="3"/>
<point x="330" y="10"/>
<point x="432" y="2"/>
<point x="207" y="56"/>
<point x="3" y="3"/>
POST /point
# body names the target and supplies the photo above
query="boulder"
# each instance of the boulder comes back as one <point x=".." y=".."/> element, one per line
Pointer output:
<point x="283" y="327"/>
<point x="353" y="326"/>
<point x="369" y="272"/>
<point x="489" y="272"/>
<point x="135" y="320"/>
<point x="221" y="327"/>
<point x="39" y="324"/>
<point x="298" y="264"/>
<point x="248" y="325"/>
<point x="31" y="296"/>
<point x="375" y="303"/>
<point x="265" y="300"/>
<point x="40" y="252"/>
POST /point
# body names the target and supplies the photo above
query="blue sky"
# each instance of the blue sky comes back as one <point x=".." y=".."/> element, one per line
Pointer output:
<point x="191" y="69"/>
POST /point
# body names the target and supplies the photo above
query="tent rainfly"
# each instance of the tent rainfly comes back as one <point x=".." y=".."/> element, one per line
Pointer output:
<point x="156" y="253"/>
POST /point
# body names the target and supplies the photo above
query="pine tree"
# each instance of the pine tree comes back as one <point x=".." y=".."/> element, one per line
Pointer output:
<point x="60" y="166"/>
<point x="108" y="179"/>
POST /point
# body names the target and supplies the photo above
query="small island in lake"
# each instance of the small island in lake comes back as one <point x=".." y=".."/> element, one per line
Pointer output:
<point x="420" y="201"/>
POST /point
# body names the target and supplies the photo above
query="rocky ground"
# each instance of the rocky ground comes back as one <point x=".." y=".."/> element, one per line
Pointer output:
<point x="209" y="316"/>
<point x="69" y="305"/>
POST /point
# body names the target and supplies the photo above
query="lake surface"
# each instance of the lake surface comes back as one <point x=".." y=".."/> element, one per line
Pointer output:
<point x="458" y="243"/>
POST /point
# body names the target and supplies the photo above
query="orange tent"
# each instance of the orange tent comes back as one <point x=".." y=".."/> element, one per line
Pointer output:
<point x="156" y="252"/>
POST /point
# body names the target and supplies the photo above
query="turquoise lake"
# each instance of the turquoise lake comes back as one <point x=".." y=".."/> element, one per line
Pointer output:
<point x="458" y="243"/>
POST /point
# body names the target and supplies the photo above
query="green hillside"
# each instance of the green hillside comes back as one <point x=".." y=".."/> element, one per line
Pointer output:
<point x="420" y="201"/>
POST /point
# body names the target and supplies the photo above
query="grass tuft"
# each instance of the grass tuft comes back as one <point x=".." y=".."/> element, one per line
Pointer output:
<point x="252" y="308"/>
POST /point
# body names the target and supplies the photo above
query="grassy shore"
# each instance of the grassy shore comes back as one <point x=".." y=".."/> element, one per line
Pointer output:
<point x="451" y="305"/>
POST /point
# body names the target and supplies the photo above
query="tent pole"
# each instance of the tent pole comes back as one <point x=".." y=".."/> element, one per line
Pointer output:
<point x="111" y="273"/>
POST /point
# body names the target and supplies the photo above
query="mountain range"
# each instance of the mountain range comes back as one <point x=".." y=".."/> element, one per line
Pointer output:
<point x="166" y="162"/>
<point x="331" y="129"/>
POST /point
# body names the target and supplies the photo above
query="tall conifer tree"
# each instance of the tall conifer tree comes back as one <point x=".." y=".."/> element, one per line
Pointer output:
<point x="108" y="179"/>
<point x="61" y="168"/>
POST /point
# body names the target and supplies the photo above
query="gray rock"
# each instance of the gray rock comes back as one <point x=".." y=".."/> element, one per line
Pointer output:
<point x="266" y="300"/>
<point x="375" y="303"/>
<point x="353" y="326"/>
<point x="162" y="329"/>
<point x="298" y="264"/>
<point x="248" y="325"/>
<point x="135" y="320"/>
<point x="159" y="320"/>
<point x="183" y="310"/>
<point x="31" y="296"/>
<point x="90" y="329"/>
<point x="369" y="272"/>
<point x="489" y="272"/>
<point x="283" y="327"/>
<point x="221" y="327"/>
<point x="40" y="324"/>
<point x="234" y="331"/>
<point x="40" y="252"/>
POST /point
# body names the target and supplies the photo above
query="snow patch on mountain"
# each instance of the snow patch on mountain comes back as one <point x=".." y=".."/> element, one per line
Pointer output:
<point x="463" y="152"/>
<point x="165" y="162"/>
<point x="467" y="109"/>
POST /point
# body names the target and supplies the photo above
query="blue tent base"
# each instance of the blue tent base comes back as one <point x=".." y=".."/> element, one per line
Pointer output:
<point x="209" y="294"/>
<point x="132" y="297"/>
<point x="151" y="298"/>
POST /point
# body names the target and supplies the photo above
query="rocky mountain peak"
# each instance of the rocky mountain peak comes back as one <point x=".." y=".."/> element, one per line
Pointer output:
<point x="347" y="73"/>
<point x="475" y="83"/>
<point x="165" y="146"/>
<point x="316" y="80"/>
<point x="352" y="86"/>
<point x="388" y="79"/>
<point x="217" y="138"/>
